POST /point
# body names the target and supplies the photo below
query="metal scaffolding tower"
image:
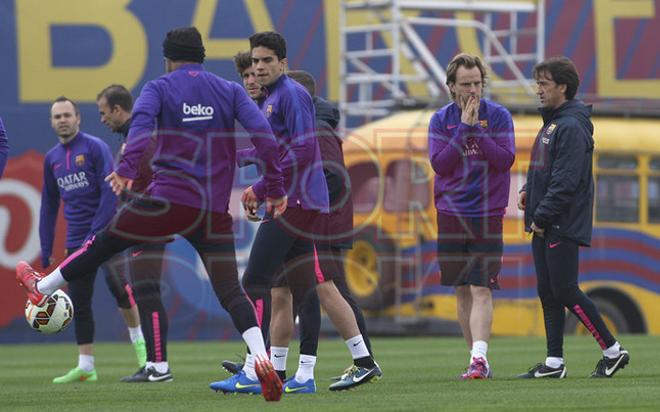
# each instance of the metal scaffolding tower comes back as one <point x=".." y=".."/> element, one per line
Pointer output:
<point x="372" y="82"/>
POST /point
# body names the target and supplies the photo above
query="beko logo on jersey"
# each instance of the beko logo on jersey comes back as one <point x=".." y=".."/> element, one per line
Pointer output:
<point x="197" y="112"/>
<point x="73" y="181"/>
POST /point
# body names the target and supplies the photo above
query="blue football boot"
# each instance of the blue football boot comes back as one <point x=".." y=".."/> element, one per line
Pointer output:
<point x="238" y="383"/>
<point x="293" y="386"/>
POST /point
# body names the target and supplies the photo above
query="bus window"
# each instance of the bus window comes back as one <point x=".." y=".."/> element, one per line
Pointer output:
<point x="364" y="186"/>
<point x="406" y="184"/>
<point x="654" y="164"/>
<point x="654" y="192"/>
<point x="617" y="198"/>
<point x="617" y="162"/>
<point x="617" y="195"/>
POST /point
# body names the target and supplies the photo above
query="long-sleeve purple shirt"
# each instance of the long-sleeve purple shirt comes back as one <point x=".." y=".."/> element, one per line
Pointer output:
<point x="472" y="162"/>
<point x="290" y="111"/>
<point x="75" y="173"/>
<point x="4" y="147"/>
<point x="193" y="113"/>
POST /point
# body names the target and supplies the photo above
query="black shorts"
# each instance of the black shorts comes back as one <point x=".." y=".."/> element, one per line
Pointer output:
<point x="470" y="250"/>
<point x="316" y="266"/>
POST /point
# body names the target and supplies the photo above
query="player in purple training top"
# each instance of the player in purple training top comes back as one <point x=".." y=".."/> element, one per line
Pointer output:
<point x="471" y="147"/>
<point x="192" y="112"/>
<point x="74" y="173"/>
<point x="291" y="242"/>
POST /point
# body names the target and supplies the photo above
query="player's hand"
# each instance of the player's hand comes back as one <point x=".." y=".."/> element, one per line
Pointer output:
<point x="522" y="200"/>
<point x="250" y="201"/>
<point x="537" y="230"/>
<point x="276" y="206"/>
<point x="470" y="114"/>
<point x="119" y="183"/>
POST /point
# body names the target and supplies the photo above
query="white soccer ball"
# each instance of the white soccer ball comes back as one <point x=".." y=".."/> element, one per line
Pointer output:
<point x="51" y="317"/>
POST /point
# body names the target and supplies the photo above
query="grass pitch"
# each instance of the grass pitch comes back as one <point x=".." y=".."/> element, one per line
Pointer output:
<point x="419" y="374"/>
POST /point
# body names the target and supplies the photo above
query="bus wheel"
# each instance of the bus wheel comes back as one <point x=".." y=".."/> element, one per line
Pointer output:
<point x="369" y="278"/>
<point x="613" y="317"/>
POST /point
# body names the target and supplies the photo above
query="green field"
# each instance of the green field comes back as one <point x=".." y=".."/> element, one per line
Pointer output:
<point x="420" y="374"/>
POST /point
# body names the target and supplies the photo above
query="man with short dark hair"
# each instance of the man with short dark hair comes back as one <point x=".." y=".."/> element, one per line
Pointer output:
<point x="192" y="112"/>
<point x="144" y="262"/>
<point x="74" y="172"/>
<point x="558" y="203"/>
<point x="471" y="148"/>
<point x="289" y="244"/>
<point x="308" y="310"/>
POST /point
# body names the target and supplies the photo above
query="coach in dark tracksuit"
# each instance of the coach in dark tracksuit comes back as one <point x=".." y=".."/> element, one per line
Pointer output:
<point x="558" y="203"/>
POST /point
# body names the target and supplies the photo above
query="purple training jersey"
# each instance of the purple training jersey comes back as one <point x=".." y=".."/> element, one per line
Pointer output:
<point x="192" y="112"/>
<point x="472" y="162"/>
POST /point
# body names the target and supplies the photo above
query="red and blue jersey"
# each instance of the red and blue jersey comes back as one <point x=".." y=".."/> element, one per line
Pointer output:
<point x="75" y="174"/>
<point x="192" y="113"/>
<point x="472" y="162"/>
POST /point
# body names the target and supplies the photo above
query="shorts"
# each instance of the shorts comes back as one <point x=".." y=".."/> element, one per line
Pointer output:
<point x="470" y="250"/>
<point x="316" y="266"/>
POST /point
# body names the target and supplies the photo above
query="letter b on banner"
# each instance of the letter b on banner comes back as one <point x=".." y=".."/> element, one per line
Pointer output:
<point x="39" y="81"/>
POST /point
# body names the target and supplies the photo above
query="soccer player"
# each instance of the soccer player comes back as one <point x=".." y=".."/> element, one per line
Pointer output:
<point x="289" y="242"/>
<point x="192" y="114"/>
<point x="309" y="309"/>
<point x="145" y="262"/>
<point x="471" y="148"/>
<point x="74" y="172"/>
<point x="341" y="215"/>
<point x="4" y="147"/>
<point x="558" y="202"/>
<point x="340" y="226"/>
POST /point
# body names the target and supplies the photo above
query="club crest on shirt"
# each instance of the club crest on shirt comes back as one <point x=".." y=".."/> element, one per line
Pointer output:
<point x="269" y="110"/>
<point x="80" y="160"/>
<point x="483" y="123"/>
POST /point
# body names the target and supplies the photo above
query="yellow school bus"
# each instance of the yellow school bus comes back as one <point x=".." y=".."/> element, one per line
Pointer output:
<point x="392" y="269"/>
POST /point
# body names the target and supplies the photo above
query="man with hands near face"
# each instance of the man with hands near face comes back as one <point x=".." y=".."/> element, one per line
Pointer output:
<point x="471" y="148"/>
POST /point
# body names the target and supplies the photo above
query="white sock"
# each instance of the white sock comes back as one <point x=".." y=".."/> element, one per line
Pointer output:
<point x="480" y="350"/>
<point x="86" y="362"/>
<point x="255" y="341"/>
<point x="51" y="283"/>
<point x="248" y="367"/>
<point x="613" y="351"/>
<point x="161" y="367"/>
<point x="305" y="370"/>
<point x="278" y="356"/>
<point x="357" y="347"/>
<point x="149" y="365"/>
<point x="554" y="362"/>
<point x="135" y="333"/>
